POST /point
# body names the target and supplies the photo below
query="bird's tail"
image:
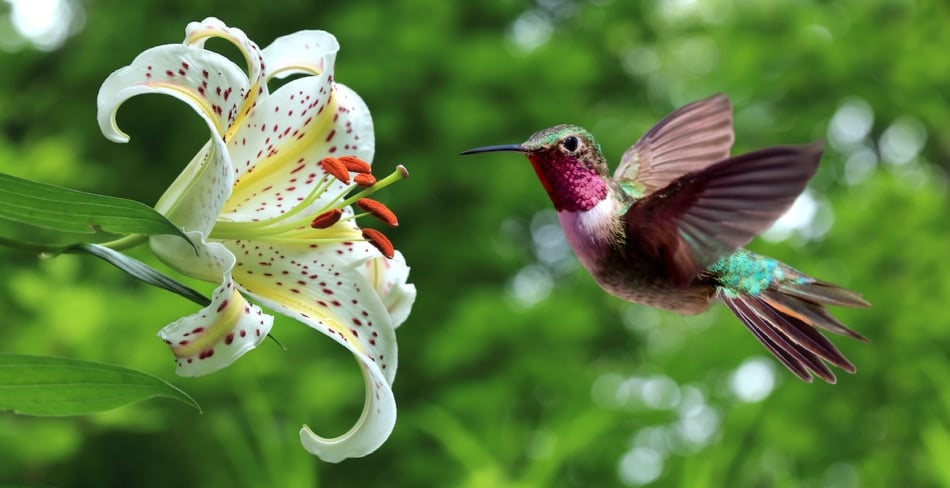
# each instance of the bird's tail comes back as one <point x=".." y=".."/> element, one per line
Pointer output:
<point x="786" y="313"/>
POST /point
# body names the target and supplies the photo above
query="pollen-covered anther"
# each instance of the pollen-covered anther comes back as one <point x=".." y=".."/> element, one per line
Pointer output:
<point x="355" y="164"/>
<point x="365" y="180"/>
<point x="336" y="168"/>
<point x="327" y="219"/>
<point x="379" y="210"/>
<point x="381" y="242"/>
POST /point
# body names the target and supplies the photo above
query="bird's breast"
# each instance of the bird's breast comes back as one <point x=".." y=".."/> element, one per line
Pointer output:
<point x="597" y="237"/>
<point x="592" y="233"/>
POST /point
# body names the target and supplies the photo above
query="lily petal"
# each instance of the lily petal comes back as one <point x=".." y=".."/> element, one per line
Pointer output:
<point x="371" y="430"/>
<point x="388" y="277"/>
<point x="196" y="33"/>
<point x="298" y="135"/>
<point x="303" y="52"/>
<point x="219" y="334"/>
<point x="195" y="198"/>
<point x="322" y="286"/>
<point x="208" y="82"/>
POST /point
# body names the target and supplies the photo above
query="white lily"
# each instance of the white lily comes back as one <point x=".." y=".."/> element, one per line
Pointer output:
<point x="268" y="203"/>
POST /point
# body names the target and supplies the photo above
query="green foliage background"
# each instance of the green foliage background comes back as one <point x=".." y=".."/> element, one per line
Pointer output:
<point x="516" y="370"/>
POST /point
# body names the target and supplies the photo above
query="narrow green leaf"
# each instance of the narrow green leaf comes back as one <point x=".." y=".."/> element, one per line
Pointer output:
<point x="65" y="210"/>
<point x="38" y="385"/>
<point x="142" y="271"/>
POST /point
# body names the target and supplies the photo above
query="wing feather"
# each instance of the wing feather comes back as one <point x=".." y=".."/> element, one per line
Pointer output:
<point x="691" y="138"/>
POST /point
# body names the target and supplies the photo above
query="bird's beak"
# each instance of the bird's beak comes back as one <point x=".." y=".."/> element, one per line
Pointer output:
<point x="503" y="147"/>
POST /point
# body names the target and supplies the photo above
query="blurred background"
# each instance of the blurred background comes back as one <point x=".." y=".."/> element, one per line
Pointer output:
<point x="516" y="370"/>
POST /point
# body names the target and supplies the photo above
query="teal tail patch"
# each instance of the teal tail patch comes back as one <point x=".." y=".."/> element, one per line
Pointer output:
<point x="785" y="309"/>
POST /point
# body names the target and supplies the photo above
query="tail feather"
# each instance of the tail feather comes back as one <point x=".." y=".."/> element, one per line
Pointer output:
<point x="822" y="292"/>
<point x="786" y="316"/>
<point x="810" y="312"/>
<point x="797" y="359"/>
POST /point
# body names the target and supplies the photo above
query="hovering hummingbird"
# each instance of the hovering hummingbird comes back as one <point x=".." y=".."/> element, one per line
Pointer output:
<point x="667" y="229"/>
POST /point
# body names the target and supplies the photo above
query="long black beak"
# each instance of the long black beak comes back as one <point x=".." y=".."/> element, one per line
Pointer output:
<point x="503" y="147"/>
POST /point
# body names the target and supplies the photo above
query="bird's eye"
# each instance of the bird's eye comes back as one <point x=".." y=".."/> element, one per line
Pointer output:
<point x="570" y="143"/>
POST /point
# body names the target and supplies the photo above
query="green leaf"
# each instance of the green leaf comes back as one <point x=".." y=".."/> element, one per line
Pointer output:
<point x="142" y="271"/>
<point x="38" y="385"/>
<point x="72" y="211"/>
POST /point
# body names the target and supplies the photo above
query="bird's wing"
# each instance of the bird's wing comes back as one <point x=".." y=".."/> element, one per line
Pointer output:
<point x="689" y="139"/>
<point x="703" y="215"/>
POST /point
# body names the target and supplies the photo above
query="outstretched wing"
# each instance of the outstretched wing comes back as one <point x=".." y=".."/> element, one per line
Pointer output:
<point x="703" y="215"/>
<point x="689" y="139"/>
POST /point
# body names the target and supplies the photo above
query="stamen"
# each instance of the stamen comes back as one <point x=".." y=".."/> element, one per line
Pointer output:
<point x="327" y="219"/>
<point x="378" y="210"/>
<point x="364" y="179"/>
<point x="400" y="174"/>
<point x="336" y="168"/>
<point x="379" y="241"/>
<point x="355" y="164"/>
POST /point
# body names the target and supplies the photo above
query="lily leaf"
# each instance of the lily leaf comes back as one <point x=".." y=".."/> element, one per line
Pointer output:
<point x="48" y="386"/>
<point x="141" y="271"/>
<point x="72" y="211"/>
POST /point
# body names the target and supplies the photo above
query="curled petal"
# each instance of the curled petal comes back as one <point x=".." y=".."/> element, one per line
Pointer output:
<point x="323" y="287"/>
<point x="371" y="430"/>
<point x="302" y="52"/>
<point x="388" y="277"/>
<point x="196" y="33"/>
<point x="219" y="334"/>
<point x="208" y="82"/>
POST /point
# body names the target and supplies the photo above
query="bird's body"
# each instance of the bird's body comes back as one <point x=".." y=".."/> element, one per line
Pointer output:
<point x="667" y="229"/>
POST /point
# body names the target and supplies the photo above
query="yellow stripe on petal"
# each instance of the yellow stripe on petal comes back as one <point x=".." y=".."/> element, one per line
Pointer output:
<point x="218" y="335"/>
<point x="321" y="286"/>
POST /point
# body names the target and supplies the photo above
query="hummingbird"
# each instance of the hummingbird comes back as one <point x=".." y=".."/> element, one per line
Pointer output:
<point x="668" y="228"/>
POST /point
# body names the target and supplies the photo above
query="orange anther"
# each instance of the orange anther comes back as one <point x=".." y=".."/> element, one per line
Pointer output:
<point x="336" y="168"/>
<point x="364" y="179"/>
<point x="378" y="240"/>
<point x="355" y="164"/>
<point x="327" y="219"/>
<point x="378" y="210"/>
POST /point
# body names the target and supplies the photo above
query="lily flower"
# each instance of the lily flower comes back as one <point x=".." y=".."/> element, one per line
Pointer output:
<point x="269" y="203"/>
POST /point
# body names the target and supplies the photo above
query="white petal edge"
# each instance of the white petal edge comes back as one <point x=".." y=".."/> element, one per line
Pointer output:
<point x="303" y="52"/>
<point x="196" y="33"/>
<point x="375" y="425"/>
